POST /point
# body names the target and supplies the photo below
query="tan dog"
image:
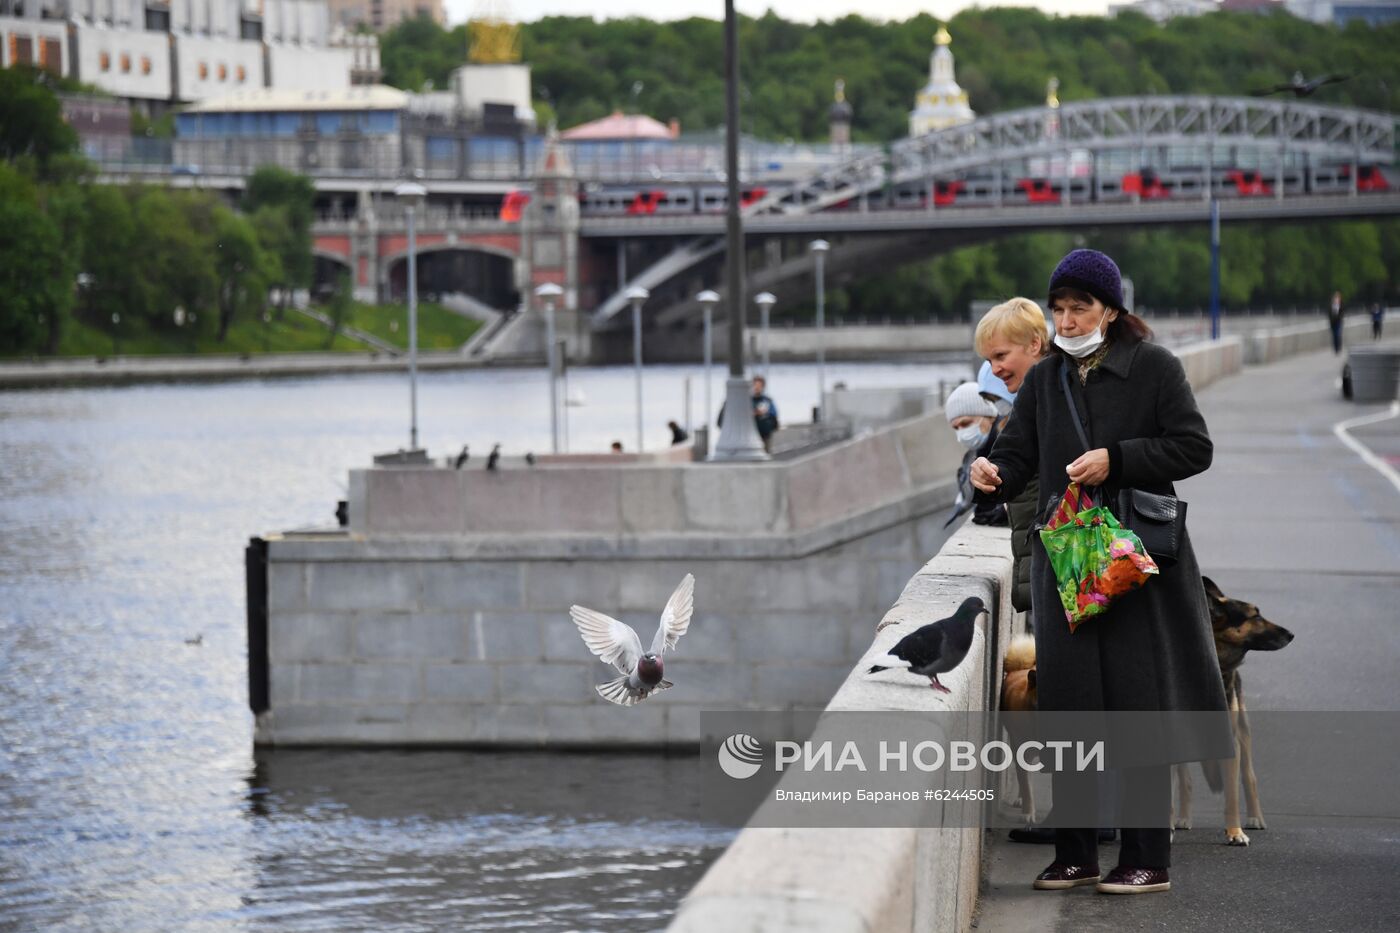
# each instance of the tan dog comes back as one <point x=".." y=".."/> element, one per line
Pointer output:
<point x="1239" y="629"/>
<point x="1018" y="696"/>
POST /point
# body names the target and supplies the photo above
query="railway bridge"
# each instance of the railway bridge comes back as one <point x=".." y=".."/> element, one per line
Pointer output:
<point x="1129" y="161"/>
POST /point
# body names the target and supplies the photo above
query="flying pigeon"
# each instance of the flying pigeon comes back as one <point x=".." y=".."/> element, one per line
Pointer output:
<point x="935" y="648"/>
<point x="1300" y="88"/>
<point x="462" y="457"/>
<point x="617" y="644"/>
<point x="495" y="457"/>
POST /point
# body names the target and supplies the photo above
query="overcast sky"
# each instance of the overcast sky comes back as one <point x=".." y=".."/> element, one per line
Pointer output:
<point x="804" y="10"/>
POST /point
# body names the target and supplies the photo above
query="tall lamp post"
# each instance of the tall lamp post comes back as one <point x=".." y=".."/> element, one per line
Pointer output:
<point x="636" y="294"/>
<point x="411" y="195"/>
<point x="1214" y="269"/>
<point x="738" y="438"/>
<point x="708" y="299"/>
<point x="765" y="302"/>
<point x="549" y="293"/>
<point x="819" y="249"/>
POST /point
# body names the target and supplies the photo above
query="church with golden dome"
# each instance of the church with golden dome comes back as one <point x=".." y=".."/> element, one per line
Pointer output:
<point x="941" y="103"/>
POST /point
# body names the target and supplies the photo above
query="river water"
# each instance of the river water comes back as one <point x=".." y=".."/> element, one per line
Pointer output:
<point x="131" y="797"/>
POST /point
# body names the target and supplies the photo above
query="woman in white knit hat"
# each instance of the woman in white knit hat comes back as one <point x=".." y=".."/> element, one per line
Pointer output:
<point x="974" y="420"/>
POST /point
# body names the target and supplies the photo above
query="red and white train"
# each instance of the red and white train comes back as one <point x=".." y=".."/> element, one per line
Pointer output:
<point x="981" y="191"/>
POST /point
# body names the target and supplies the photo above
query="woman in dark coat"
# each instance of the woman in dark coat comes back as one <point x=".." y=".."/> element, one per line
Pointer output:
<point x="1153" y="650"/>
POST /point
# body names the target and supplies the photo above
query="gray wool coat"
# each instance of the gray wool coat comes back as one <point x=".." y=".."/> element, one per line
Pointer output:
<point x="1154" y="649"/>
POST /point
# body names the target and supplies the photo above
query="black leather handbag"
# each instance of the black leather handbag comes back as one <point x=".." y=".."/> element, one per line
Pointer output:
<point x="1158" y="519"/>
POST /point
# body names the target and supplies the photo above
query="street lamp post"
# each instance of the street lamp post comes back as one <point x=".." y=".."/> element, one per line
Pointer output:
<point x="765" y="302"/>
<point x="738" y="439"/>
<point x="411" y="194"/>
<point x="549" y="293"/>
<point x="636" y="294"/>
<point x="708" y="299"/>
<point x="819" y="249"/>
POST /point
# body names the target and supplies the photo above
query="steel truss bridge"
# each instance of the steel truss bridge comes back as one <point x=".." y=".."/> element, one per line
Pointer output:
<point x="1283" y="143"/>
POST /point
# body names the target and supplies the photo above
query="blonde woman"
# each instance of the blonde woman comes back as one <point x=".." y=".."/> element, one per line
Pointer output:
<point x="1012" y="337"/>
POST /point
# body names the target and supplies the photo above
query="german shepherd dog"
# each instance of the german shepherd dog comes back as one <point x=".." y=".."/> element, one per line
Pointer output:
<point x="1239" y="629"/>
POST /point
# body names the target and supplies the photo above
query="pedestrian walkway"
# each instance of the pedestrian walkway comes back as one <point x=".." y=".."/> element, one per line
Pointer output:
<point x="1292" y="519"/>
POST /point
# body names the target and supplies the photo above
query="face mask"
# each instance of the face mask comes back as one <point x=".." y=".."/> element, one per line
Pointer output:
<point x="1081" y="346"/>
<point x="971" y="436"/>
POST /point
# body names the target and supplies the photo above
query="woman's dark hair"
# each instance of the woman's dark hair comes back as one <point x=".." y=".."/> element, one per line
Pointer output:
<point x="1127" y="327"/>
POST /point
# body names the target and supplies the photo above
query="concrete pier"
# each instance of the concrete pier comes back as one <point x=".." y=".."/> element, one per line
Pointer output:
<point x="441" y="616"/>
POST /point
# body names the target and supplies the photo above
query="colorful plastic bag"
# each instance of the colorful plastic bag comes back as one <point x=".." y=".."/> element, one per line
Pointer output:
<point x="1095" y="559"/>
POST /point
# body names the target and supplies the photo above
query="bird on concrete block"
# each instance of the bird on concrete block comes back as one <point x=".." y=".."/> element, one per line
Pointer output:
<point x="936" y="648"/>
<point x="529" y="459"/>
<point x="616" y="643"/>
<point x="462" y="457"/>
<point x="494" y="458"/>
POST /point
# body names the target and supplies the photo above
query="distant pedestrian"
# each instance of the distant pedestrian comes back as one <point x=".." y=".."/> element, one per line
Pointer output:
<point x="1334" y="320"/>
<point x="765" y="413"/>
<point x="679" y="435"/>
<point x="1377" y="320"/>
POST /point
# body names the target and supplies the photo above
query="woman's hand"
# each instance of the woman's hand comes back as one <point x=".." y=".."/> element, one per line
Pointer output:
<point x="985" y="476"/>
<point x="1091" y="469"/>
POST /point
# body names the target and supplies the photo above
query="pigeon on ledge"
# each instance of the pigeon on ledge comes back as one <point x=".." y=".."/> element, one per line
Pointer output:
<point x="617" y="644"/>
<point x="494" y="458"/>
<point x="462" y="457"/>
<point x="935" y="648"/>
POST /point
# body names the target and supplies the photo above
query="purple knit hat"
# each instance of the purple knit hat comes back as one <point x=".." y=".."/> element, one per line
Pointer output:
<point x="1090" y="271"/>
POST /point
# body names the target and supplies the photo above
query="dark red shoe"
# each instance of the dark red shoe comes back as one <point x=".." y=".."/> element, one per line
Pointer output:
<point x="1134" y="881"/>
<point x="1060" y="876"/>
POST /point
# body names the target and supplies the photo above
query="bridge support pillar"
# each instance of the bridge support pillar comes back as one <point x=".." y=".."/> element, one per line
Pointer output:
<point x="549" y="241"/>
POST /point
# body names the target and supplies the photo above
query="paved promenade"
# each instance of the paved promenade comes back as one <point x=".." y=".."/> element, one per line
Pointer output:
<point x="1292" y="519"/>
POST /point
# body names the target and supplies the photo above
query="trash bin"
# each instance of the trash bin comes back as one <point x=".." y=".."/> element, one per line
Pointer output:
<point x="1375" y="373"/>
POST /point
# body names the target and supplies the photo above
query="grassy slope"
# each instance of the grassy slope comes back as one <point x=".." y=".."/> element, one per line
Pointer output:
<point x="293" y="333"/>
<point x="438" y="329"/>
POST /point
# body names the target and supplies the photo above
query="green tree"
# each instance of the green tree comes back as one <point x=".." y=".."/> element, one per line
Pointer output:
<point x="338" y="305"/>
<point x="32" y="128"/>
<point x="244" y="271"/>
<point x="282" y="206"/>
<point x="37" y="271"/>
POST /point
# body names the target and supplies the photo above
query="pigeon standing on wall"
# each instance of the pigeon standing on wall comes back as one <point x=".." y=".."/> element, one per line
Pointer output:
<point x="462" y="457"/>
<point x="494" y="458"/>
<point x="935" y="648"/>
<point x="617" y="644"/>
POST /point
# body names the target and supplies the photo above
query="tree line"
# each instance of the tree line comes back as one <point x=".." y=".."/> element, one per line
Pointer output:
<point x="583" y="69"/>
<point x="156" y="258"/>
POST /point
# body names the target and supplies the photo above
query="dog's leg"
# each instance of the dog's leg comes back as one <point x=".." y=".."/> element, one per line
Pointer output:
<point x="1182" y="818"/>
<point x="1234" y="832"/>
<point x="1023" y="782"/>
<point x="1251" y="783"/>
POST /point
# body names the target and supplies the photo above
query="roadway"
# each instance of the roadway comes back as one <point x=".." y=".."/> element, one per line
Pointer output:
<point x="1293" y="520"/>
